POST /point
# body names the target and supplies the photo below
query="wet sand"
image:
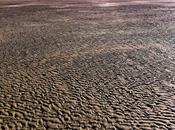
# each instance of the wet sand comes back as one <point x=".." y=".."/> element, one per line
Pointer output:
<point x="87" y="65"/>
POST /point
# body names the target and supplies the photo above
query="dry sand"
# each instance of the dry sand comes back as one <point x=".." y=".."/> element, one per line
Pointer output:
<point x="92" y="64"/>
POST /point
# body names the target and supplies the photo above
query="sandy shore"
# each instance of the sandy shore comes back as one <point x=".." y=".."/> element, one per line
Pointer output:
<point x="87" y="65"/>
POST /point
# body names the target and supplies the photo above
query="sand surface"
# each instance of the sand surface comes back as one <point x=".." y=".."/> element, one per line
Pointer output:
<point x="87" y="64"/>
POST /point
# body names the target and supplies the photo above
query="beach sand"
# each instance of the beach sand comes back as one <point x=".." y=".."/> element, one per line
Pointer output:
<point x="87" y="65"/>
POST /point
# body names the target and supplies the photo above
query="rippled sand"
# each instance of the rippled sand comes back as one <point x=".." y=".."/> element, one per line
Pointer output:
<point x="92" y="64"/>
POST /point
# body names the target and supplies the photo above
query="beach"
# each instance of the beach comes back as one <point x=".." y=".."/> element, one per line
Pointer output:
<point x="87" y="64"/>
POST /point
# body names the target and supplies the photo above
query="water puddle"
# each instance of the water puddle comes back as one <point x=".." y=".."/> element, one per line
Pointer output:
<point x="20" y="5"/>
<point x="135" y="2"/>
<point x="111" y="4"/>
<point x="108" y="4"/>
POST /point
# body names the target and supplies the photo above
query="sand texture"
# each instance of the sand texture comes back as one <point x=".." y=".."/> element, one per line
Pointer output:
<point x="87" y="65"/>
